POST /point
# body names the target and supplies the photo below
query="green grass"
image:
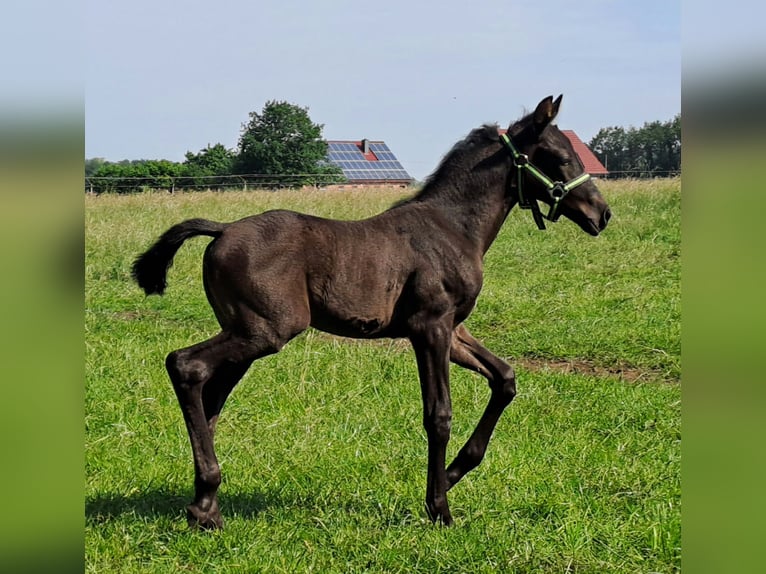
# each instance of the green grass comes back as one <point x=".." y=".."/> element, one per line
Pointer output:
<point x="322" y="447"/>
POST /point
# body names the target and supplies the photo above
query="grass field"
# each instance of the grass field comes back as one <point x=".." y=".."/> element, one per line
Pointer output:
<point x="321" y="445"/>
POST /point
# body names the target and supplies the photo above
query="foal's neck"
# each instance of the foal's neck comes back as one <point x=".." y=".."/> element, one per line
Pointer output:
<point x="477" y="209"/>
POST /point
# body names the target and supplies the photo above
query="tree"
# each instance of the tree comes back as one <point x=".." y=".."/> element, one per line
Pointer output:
<point x="201" y="168"/>
<point x="93" y="164"/>
<point x="283" y="146"/>
<point x="654" y="149"/>
<point x="610" y="145"/>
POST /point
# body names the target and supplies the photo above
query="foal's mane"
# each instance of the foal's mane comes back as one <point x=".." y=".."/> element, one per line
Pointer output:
<point x="455" y="157"/>
<point x="457" y="163"/>
<point x="454" y="162"/>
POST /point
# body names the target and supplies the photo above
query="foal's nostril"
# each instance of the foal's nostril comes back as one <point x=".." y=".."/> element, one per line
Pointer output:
<point x="605" y="217"/>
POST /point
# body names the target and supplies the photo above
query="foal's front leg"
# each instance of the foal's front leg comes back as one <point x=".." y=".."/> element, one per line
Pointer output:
<point x="432" y="352"/>
<point x="467" y="352"/>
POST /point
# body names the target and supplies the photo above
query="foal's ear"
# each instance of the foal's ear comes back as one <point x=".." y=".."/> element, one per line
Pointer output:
<point x="546" y="110"/>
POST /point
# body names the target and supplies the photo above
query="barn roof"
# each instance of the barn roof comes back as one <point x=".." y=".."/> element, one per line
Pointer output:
<point x="589" y="160"/>
<point x="367" y="161"/>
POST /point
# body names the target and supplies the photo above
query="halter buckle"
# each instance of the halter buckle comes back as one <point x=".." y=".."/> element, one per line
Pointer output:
<point x="558" y="190"/>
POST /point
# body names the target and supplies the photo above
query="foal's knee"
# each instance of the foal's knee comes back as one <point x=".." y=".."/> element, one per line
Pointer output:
<point x="439" y="424"/>
<point x="471" y="455"/>
<point x="504" y="388"/>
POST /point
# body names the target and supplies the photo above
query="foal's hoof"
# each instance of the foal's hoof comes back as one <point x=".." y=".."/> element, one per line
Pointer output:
<point x="439" y="517"/>
<point x="204" y="520"/>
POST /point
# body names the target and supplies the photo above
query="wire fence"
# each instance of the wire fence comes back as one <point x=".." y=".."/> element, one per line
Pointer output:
<point x="171" y="183"/>
<point x="642" y="174"/>
<point x="254" y="181"/>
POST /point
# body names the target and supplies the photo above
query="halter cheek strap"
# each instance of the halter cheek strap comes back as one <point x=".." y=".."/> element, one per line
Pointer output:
<point x="556" y="190"/>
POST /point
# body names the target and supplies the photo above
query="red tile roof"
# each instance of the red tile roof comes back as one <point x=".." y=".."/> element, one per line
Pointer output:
<point x="589" y="160"/>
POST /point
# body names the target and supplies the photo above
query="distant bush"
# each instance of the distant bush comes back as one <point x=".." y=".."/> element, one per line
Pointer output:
<point x="132" y="176"/>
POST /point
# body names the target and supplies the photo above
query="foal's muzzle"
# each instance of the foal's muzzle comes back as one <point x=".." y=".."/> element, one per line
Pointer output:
<point x="598" y="221"/>
<point x="606" y="215"/>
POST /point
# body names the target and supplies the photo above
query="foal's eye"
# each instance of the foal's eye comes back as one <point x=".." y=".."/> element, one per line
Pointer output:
<point x="565" y="161"/>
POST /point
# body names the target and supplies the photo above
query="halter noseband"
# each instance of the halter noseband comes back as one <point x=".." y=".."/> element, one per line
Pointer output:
<point x="556" y="190"/>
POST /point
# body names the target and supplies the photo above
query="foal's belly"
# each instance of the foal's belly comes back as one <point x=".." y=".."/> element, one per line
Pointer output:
<point x="356" y="328"/>
<point x="357" y="310"/>
<point x="357" y="319"/>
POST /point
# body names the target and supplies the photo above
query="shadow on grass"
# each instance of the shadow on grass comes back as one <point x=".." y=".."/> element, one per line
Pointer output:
<point x="155" y="504"/>
<point x="165" y="504"/>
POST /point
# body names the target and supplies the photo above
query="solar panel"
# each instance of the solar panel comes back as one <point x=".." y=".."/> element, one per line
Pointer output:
<point x="356" y="167"/>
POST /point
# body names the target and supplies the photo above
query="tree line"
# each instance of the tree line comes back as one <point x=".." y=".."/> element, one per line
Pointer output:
<point x="282" y="147"/>
<point x="649" y="151"/>
<point x="278" y="147"/>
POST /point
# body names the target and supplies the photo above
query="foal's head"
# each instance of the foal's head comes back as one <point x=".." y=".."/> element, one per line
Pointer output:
<point x="568" y="191"/>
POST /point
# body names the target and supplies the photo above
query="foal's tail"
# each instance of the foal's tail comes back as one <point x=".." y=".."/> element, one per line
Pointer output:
<point x="149" y="270"/>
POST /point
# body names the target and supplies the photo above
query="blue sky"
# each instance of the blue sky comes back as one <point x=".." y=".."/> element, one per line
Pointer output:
<point x="164" y="78"/>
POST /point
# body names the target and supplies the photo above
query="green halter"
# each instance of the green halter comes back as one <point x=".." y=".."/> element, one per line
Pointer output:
<point x="556" y="190"/>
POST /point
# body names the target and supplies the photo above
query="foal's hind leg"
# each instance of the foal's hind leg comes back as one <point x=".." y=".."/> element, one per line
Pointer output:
<point x="218" y="388"/>
<point x="219" y="362"/>
<point x="467" y="352"/>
